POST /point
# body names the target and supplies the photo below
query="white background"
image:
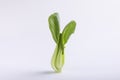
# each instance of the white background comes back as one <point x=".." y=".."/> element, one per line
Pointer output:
<point x="26" y="44"/>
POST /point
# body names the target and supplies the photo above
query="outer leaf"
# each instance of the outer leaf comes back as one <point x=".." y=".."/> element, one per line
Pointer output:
<point x="68" y="30"/>
<point x="54" y="26"/>
<point x="53" y="61"/>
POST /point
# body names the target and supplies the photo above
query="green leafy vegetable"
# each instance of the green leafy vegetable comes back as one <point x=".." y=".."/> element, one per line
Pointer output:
<point x="61" y="39"/>
<point x="54" y="26"/>
<point x="68" y="30"/>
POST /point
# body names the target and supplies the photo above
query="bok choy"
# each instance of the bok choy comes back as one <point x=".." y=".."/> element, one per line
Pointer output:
<point x="60" y="39"/>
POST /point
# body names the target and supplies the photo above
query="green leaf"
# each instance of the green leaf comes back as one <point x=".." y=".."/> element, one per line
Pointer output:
<point x="68" y="30"/>
<point x="54" y="26"/>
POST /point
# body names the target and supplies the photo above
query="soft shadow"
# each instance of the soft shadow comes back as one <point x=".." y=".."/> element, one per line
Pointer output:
<point x="48" y="72"/>
<point x="35" y="75"/>
<point x="45" y="73"/>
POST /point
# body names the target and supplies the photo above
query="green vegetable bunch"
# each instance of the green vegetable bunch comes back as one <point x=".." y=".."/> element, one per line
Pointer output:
<point x="60" y="39"/>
